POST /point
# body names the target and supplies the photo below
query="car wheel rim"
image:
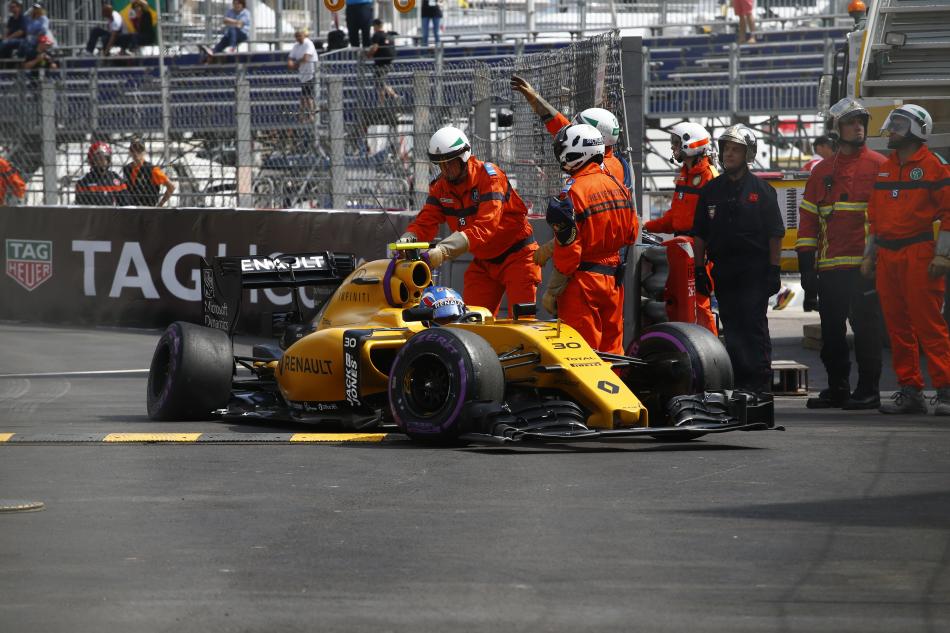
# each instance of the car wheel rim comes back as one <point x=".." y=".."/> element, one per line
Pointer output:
<point x="428" y="386"/>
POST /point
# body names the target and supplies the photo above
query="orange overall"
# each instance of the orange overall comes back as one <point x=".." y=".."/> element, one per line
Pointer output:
<point x="592" y="302"/>
<point x="485" y="207"/>
<point x="679" y="220"/>
<point x="10" y="180"/>
<point x="907" y="199"/>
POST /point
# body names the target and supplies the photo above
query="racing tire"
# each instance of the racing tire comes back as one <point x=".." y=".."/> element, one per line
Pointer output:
<point x="710" y="368"/>
<point x="190" y="375"/>
<point x="435" y="375"/>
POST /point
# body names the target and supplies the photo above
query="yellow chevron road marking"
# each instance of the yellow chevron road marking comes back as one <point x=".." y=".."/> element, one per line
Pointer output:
<point x="151" y="437"/>
<point x="338" y="437"/>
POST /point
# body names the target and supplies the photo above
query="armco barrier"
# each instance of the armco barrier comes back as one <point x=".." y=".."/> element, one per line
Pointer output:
<point x="139" y="267"/>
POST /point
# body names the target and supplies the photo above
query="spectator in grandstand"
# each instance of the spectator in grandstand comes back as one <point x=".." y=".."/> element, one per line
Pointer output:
<point x="114" y="32"/>
<point x="37" y="24"/>
<point x="739" y="226"/>
<point x="10" y="182"/>
<point x="382" y="50"/>
<point x="41" y="56"/>
<point x="144" y="180"/>
<point x="237" y="28"/>
<point x="143" y="23"/>
<point x="15" y="33"/>
<point x="359" y="18"/>
<point x="431" y="13"/>
<point x="745" y="11"/>
<point x="824" y="147"/>
<point x="302" y="58"/>
<point x="101" y="187"/>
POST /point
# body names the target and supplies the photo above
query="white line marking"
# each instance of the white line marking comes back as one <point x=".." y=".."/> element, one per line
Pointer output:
<point x="65" y="374"/>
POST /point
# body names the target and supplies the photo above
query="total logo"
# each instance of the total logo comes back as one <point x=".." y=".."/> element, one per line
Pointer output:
<point x="29" y="262"/>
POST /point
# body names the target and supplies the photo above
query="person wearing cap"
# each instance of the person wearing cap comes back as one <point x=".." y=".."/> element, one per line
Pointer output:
<point x="830" y="245"/>
<point x="37" y="24"/>
<point x="910" y="268"/>
<point x="303" y="58"/>
<point x="15" y="32"/>
<point x="859" y="13"/>
<point x="738" y="226"/>
<point x="487" y="218"/>
<point x="145" y="180"/>
<point x="101" y="187"/>
<point x="41" y="57"/>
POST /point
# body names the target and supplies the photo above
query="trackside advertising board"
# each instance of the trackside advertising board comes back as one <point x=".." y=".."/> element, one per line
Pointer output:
<point x="142" y="267"/>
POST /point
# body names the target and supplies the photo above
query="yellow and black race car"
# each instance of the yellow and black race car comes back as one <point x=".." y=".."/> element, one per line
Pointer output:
<point x="373" y="356"/>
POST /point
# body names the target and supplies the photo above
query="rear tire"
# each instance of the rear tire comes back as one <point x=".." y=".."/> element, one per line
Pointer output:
<point x="709" y="366"/>
<point x="191" y="373"/>
<point x="435" y="374"/>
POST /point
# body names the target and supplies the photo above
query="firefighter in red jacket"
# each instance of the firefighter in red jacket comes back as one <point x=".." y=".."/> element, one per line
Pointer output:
<point x="593" y="219"/>
<point x="831" y="242"/>
<point x="691" y="145"/>
<point x="912" y="191"/>
<point x="605" y="122"/>
<point x="487" y="217"/>
<point x="10" y="182"/>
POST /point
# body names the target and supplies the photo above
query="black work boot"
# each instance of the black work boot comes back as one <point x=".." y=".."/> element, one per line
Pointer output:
<point x="863" y="399"/>
<point x="830" y="398"/>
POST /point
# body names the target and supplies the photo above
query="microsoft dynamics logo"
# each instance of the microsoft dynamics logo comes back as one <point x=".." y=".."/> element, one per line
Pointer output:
<point x="29" y="262"/>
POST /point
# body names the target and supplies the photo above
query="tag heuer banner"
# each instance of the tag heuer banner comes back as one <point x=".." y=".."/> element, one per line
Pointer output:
<point x="142" y="268"/>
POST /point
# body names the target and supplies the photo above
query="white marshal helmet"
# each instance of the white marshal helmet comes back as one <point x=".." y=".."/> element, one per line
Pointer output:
<point x="743" y="136"/>
<point x="603" y="120"/>
<point x="578" y="144"/>
<point x="448" y="143"/>
<point x="695" y="140"/>
<point x="909" y="120"/>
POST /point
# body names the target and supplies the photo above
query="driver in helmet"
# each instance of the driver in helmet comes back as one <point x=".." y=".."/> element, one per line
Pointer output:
<point x="593" y="218"/>
<point x="911" y="192"/>
<point x="487" y="218"/>
<point x="692" y="146"/>
<point x="101" y="187"/>
<point x="608" y="125"/>
<point x="738" y="225"/>
<point x="831" y="240"/>
<point x="447" y="304"/>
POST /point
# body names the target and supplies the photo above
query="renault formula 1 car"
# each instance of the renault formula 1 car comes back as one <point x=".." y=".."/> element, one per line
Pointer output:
<point x="372" y="356"/>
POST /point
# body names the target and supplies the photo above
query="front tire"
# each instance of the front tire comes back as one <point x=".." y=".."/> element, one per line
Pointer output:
<point x="435" y="375"/>
<point x="191" y="371"/>
<point x="709" y="366"/>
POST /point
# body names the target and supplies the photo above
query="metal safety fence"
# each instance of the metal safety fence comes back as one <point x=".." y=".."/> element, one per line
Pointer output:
<point x="256" y="135"/>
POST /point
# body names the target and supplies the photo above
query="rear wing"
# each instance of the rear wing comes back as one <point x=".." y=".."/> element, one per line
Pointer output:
<point x="224" y="280"/>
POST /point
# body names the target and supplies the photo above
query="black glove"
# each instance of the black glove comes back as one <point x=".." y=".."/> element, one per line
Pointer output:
<point x="774" y="282"/>
<point x="703" y="285"/>
<point x="806" y="265"/>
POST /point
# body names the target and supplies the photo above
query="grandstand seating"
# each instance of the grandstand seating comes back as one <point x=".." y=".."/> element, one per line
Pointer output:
<point x="689" y="75"/>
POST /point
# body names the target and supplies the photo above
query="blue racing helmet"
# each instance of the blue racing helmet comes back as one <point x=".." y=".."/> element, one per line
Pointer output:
<point x="446" y="304"/>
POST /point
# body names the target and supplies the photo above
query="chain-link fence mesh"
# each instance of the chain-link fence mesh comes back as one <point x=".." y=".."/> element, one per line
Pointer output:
<point x="257" y="135"/>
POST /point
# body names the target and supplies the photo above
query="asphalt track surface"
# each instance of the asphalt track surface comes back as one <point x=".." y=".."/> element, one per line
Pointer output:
<point x="841" y="523"/>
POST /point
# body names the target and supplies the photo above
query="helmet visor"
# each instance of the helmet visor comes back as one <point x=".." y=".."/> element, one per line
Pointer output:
<point x="896" y="124"/>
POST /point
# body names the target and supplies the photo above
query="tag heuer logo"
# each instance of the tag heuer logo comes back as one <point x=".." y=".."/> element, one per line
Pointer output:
<point x="29" y="262"/>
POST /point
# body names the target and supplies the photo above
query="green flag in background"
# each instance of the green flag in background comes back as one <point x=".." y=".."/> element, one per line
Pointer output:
<point x="124" y="7"/>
